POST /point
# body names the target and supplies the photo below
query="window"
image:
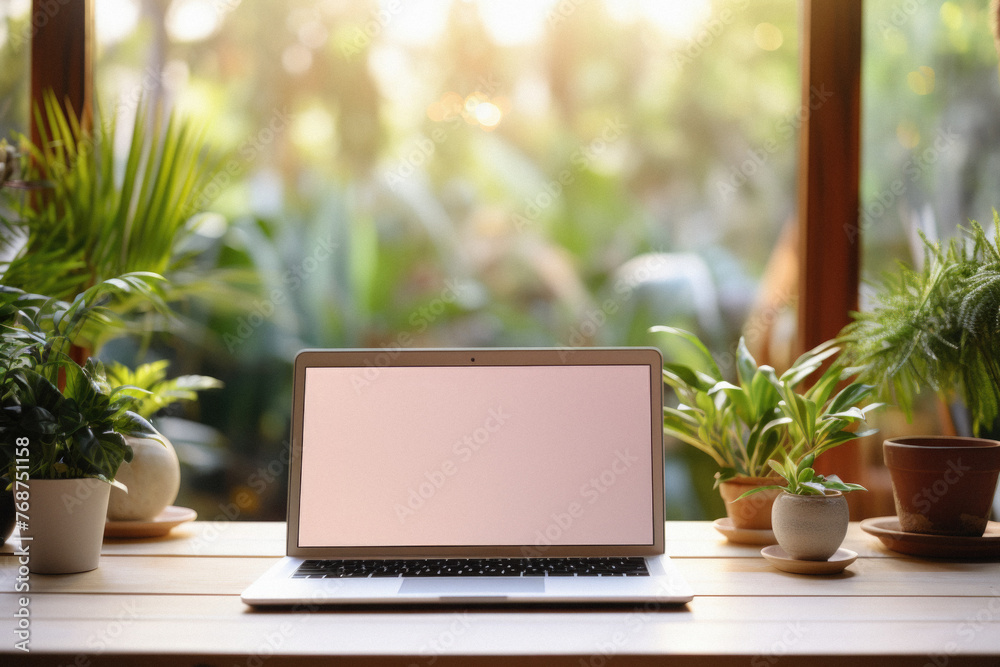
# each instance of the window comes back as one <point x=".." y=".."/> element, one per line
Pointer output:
<point x="468" y="175"/>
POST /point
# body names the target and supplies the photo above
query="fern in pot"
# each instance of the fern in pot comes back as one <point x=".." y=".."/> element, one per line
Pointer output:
<point x="936" y="328"/>
<point x="760" y="418"/>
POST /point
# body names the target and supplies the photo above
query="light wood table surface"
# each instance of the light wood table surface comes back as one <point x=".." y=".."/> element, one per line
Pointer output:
<point x="175" y="601"/>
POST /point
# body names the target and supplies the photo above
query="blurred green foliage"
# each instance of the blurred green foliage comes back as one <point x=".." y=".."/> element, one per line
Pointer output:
<point x="422" y="173"/>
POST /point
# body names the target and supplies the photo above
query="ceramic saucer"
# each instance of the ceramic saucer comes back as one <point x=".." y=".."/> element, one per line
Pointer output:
<point x="158" y="526"/>
<point x="886" y="528"/>
<point x="743" y="535"/>
<point x="777" y="557"/>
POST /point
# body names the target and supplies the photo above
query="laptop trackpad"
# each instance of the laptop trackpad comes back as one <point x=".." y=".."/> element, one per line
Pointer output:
<point x="472" y="586"/>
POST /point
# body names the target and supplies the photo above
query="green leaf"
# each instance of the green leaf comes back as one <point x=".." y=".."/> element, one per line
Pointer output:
<point x="694" y="341"/>
<point x="758" y="489"/>
<point x="812" y="489"/>
<point x="680" y="375"/>
<point x="746" y="365"/>
<point x="779" y="468"/>
<point x="850" y="396"/>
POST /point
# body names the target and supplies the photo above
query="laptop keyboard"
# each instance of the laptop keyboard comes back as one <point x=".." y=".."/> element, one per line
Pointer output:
<point x="475" y="567"/>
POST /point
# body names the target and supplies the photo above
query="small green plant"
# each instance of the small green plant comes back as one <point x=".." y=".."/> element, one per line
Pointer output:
<point x="72" y="418"/>
<point x="936" y="326"/>
<point x="764" y="416"/>
<point x="76" y="432"/>
<point x="153" y="392"/>
<point x="802" y="480"/>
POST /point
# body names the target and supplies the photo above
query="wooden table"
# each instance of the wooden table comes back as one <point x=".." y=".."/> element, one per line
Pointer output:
<point x="175" y="600"/>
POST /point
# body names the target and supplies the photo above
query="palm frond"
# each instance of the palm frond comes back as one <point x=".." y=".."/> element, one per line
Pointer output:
<point x="103" y="219"/>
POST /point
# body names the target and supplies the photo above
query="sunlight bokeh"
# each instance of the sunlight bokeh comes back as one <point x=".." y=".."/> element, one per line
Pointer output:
<point x="116" y="20"/>
<point x="192" y="20"/>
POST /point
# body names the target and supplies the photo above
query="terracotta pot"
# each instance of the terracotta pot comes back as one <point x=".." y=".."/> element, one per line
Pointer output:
<point x="810" y="527"/>
<point x="943" y="485"/>
<point x="753" y="513"/>
<point x="66" y="524"/>
<point x="153" y="478"/>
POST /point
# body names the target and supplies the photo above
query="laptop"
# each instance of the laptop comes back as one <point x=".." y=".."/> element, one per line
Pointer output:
<point x="466" y="476"/>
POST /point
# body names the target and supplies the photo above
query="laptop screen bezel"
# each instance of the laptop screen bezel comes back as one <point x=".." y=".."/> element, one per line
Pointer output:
<point x="374" y="359"/>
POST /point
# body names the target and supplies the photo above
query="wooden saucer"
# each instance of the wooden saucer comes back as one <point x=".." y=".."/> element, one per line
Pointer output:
<point x="777" y="557"/>
<point x="158" y="526"/>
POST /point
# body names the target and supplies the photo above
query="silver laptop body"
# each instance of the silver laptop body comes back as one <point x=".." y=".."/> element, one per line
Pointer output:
<point x="400" y="454"/>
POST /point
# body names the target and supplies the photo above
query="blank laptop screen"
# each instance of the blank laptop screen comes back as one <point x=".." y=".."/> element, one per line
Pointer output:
<point x="476" y="456"/>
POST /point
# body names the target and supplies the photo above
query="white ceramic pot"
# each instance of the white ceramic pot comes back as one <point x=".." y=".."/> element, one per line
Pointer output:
<point x="65" y="524"/>
<point x="810" y="527"/>
<point x="153" y="478"/>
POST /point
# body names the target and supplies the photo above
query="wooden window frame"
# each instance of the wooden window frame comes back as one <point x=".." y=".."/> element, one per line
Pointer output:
<point x="829" y="184"/>
<point x="62" y="56"/>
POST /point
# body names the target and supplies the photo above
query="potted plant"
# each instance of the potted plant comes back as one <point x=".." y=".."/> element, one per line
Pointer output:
<point x="99" y="216"/>
<point x="810" y="516"/>
<point x="62" y="425"/>
<point x="762" y="417"/>
<point x="936" y="327"/>
<point x="153" y="476"/>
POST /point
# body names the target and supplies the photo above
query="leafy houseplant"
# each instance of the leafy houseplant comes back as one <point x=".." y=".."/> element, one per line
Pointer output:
<point x="936" y="326"/>
<point x="76" y="432"/>
<point x="153" y="475"/>
<point x="811" y="516"/>
<point x="764" y="416"/>
<point x="62" y="425"/>
<point x="70" y="413"/>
